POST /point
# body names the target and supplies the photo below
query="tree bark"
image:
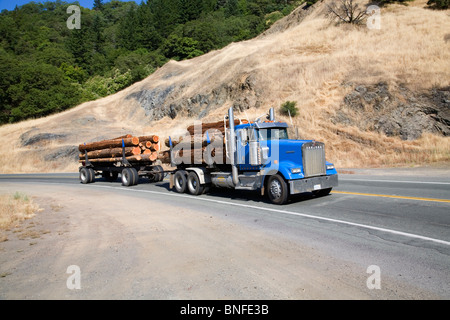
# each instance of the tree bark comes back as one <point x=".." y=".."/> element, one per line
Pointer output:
<point x="112" y="152"/>
<point x="106" y="144"/>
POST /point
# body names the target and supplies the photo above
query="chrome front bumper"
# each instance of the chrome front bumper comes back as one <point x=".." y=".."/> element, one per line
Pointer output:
<point x="313" y="184"/>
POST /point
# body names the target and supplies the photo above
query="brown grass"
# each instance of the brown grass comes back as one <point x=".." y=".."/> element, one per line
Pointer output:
<point x="307" y="63"/>
<point x="15" y="208"/>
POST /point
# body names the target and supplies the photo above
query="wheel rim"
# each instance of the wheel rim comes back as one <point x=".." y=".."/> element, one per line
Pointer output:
<point x="83" y="175"/>
<point x="178" y="182"/>
<point x="125" y="177"/>
<point x="275" y="189"/>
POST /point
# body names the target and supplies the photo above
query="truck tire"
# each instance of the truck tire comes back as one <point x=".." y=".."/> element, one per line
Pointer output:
<point x="179" y="181"/>
<point x="135" y="176"/>
<point x="193" y="184"/>
<point x="85" y="175"/>
<point x="129" y="177"/>
<point x="92" y="175"/>
<point x="277" y="189"/>
<point x="159" y="176"/>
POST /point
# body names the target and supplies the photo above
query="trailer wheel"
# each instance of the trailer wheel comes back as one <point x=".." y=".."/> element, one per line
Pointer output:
<point x="179" y="180"/>
<point x="159" y="176"/>
<point x="85" y="175"/>
<point x="277" y="189"/>
<point x="193" y="184"/>
<point x="135" y="176"/>
<point x="129" y="177"/>
<point x="91" y="175"/>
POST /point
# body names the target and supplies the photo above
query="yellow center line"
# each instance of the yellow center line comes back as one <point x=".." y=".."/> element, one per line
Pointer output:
<point x="391" y="196"/>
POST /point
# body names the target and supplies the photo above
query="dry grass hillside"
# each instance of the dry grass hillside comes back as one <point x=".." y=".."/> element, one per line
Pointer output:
<point x="375" y="97"/>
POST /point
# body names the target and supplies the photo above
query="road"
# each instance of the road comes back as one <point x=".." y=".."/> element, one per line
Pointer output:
<point x="386" y="228"/>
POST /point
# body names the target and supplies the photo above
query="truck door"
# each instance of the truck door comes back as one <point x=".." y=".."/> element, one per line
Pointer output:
<point x="242" y="146"/>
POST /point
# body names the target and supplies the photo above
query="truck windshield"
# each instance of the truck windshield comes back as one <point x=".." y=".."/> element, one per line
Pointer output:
<point x="272" y="134"/>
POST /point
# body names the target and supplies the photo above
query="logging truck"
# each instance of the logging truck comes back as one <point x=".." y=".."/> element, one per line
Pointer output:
<point x="251" y="155"/>
<point x="128" y="156"/>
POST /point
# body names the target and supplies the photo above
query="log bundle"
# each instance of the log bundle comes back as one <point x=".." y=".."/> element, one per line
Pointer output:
<point x="193" y="149"/>
<point x="136" y="149"/>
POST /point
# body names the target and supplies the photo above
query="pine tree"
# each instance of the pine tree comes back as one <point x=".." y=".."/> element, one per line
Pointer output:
<point x="98" y="5"/>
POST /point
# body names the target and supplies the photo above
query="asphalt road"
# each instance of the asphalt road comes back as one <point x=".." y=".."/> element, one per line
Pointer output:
<point x="399" y="223"/>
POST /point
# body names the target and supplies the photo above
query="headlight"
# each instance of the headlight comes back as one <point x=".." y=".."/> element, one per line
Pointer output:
<point x="330" y="166"/>
<point x="296" y="170"/>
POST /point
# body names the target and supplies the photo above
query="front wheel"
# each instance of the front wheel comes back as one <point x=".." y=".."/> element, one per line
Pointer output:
<point x="277" y="189"/>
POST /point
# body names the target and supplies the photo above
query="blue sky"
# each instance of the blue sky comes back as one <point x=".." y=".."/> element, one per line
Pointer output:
<point x="11" y="4"/>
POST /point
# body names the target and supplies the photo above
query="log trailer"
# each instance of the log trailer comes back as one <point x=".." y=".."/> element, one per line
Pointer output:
<point x="131" y="157"/>
<point x="259" y="156"/>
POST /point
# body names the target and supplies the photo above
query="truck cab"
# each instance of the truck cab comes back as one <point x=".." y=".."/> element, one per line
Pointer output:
<point x="259" y="156"/>
<point x="285" y="166"/>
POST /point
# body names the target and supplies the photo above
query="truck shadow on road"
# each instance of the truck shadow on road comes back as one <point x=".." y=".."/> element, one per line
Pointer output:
<point x="245" y="195"/>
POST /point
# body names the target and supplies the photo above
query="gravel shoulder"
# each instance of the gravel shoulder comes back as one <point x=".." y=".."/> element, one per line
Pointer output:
<point x="130" y="247"/>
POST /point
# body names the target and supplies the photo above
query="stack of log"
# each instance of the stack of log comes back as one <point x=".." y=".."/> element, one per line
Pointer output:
<point x="137" y="149"/>
<point x="195" y="144"/>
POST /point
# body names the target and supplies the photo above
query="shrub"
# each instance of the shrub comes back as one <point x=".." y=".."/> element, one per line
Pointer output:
<point x="289" y="107"/>
<point x="439" y="4"/>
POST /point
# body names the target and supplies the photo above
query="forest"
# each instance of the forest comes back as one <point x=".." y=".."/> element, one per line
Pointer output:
<point x="46" y="67"/>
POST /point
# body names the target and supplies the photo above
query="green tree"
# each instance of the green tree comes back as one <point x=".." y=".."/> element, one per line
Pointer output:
<point x="289" y="108"/>
<point x="180" y="48"/>
<point x="439" y="4"/>
<point x="232" y="8"/>
<point x="98" y="5"/>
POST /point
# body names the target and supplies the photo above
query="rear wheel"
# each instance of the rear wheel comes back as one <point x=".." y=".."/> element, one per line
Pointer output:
<point x="135" y="176"/>
<point x="129" y="177"/>
<point x="277" y="189"/>
<point x="160" y="175"/>
<point x="179" y="181"/>
<point x="91" y="175"/>
<point x="193" y="184"/>
<point x="85" y="175"/>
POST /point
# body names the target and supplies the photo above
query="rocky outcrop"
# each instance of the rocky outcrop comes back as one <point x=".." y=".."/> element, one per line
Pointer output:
<point x="171" y="101"/>
<point x="396" y="112"/>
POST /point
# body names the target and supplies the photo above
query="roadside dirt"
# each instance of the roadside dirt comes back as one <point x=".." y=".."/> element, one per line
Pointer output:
<point x="129" y="247"/>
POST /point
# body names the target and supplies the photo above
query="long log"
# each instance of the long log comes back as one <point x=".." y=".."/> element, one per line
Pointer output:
<point x="212" y="125"/>
<point x="194" y="142"/>
<point x="106" y="144"/>
<point x="122" y="137"/>
<point x="111" y="153"/>
<point x="152" y="138"/>
<point x="137" y="158"/>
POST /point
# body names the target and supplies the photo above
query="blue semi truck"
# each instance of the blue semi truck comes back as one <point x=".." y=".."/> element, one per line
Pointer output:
<point x="259" y="156"/>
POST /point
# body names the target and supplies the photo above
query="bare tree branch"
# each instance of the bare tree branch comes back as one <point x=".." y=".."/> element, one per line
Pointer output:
<point x="346" y="11"/>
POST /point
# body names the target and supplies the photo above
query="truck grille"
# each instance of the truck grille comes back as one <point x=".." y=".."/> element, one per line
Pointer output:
<point x="314" y="159"/>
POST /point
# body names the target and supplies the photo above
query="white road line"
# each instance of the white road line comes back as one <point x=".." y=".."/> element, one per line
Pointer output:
<point x="406" y="234"/>
<point x="397" y="181"/>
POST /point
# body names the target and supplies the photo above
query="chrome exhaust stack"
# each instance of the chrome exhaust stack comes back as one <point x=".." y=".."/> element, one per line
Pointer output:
<point x="271" y="114"/>
<point x="232" y="148"/>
